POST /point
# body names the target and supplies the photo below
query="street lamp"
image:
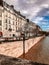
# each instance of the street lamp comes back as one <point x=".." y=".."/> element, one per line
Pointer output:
<point x="23" y="35"/>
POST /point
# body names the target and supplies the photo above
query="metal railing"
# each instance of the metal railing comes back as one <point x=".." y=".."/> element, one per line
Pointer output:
<point x="19" y="38"/>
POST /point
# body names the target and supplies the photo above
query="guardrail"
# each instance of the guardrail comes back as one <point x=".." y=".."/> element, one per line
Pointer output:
<point x="8" y="39"/>
<point x="19" y="38"/>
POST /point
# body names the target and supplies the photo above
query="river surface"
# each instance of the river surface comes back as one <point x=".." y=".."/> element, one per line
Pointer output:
<point x="40" y="52"/>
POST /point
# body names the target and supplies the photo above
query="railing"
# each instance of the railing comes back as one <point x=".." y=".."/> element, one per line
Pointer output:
<point x="19" y="38"/>
<point x="6" y="39"/>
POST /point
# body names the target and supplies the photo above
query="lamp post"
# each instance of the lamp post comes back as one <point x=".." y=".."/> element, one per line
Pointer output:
<point x="23" y="35"/>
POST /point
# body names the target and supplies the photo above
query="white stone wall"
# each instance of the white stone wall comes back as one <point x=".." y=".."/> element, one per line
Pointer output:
<point x="13" y="18"/>
<point x="15" y="49"/>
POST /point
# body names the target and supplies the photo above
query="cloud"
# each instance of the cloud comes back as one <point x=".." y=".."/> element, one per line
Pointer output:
<point x="35" y="10"/>
<point x="41" y="2"/>
<point x="30" y="6"/>
<point x="38" y="19"/>
<point x="43" y="12"/>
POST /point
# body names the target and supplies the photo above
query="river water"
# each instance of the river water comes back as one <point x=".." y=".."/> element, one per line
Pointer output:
<point x="40" y="52"/>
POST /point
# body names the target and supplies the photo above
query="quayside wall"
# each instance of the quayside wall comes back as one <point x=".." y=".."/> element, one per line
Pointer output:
<point x="15" y="49"/>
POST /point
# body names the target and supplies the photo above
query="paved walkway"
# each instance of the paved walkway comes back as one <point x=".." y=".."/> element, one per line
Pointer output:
<point x="15" y="49"/>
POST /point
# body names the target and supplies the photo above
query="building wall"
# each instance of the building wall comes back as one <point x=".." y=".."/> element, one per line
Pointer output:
<point x="11" y="20"/>
<point x="1" y="18"/>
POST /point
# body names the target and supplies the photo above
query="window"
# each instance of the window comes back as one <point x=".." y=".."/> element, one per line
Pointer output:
<point x="10" y="26"/>
<point x="0" y="22"/>
<point x="13" y="28"/>
<point x="6" y="21"/>
<point x="16" y="19"/>
<point x="16" y="28"/>
<point x="13" y="22"/>
<point x="13" y="35"/>
<point x="0" y="28"/>
<point x="6" y="27"/>
<point x="6" y="14"/>
<point x="9" y="22"/>
<point x="0" y="14"/>
<point x="16" y="23"/>
<point x="10" y="29"/>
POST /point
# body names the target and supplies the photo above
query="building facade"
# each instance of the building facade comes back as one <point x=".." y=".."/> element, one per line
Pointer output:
<point x="11" y="21"/>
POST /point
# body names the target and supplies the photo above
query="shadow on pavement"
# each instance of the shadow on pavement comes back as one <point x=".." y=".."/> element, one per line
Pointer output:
<point x="6" y="60"/>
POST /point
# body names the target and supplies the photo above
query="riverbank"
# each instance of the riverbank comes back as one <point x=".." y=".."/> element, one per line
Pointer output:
<point x="39" y="52"/>
<point x="15" y="49"/>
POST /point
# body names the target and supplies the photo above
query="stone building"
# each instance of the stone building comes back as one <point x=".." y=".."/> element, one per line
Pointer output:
<point x="11" y="20"/>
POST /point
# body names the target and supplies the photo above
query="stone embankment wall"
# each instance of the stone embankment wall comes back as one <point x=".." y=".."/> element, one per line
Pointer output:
<point x="15" y="49"/>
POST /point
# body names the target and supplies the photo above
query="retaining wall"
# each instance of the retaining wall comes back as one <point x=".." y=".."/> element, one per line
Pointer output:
<point x="15" y="49"/>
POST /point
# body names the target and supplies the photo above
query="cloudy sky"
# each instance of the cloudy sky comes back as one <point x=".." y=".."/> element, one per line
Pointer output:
<point x="35" y="10"/>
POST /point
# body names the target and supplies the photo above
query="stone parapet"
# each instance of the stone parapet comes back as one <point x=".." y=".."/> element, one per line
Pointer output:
<point x="15" y="49"/>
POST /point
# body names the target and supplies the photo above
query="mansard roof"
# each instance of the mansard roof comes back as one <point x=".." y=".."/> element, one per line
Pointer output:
<point x="3" y="3"/>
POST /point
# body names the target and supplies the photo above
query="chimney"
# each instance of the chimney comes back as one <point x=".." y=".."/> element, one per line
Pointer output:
<point x="12" y="6"/>
<point x="27" y="20"/>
